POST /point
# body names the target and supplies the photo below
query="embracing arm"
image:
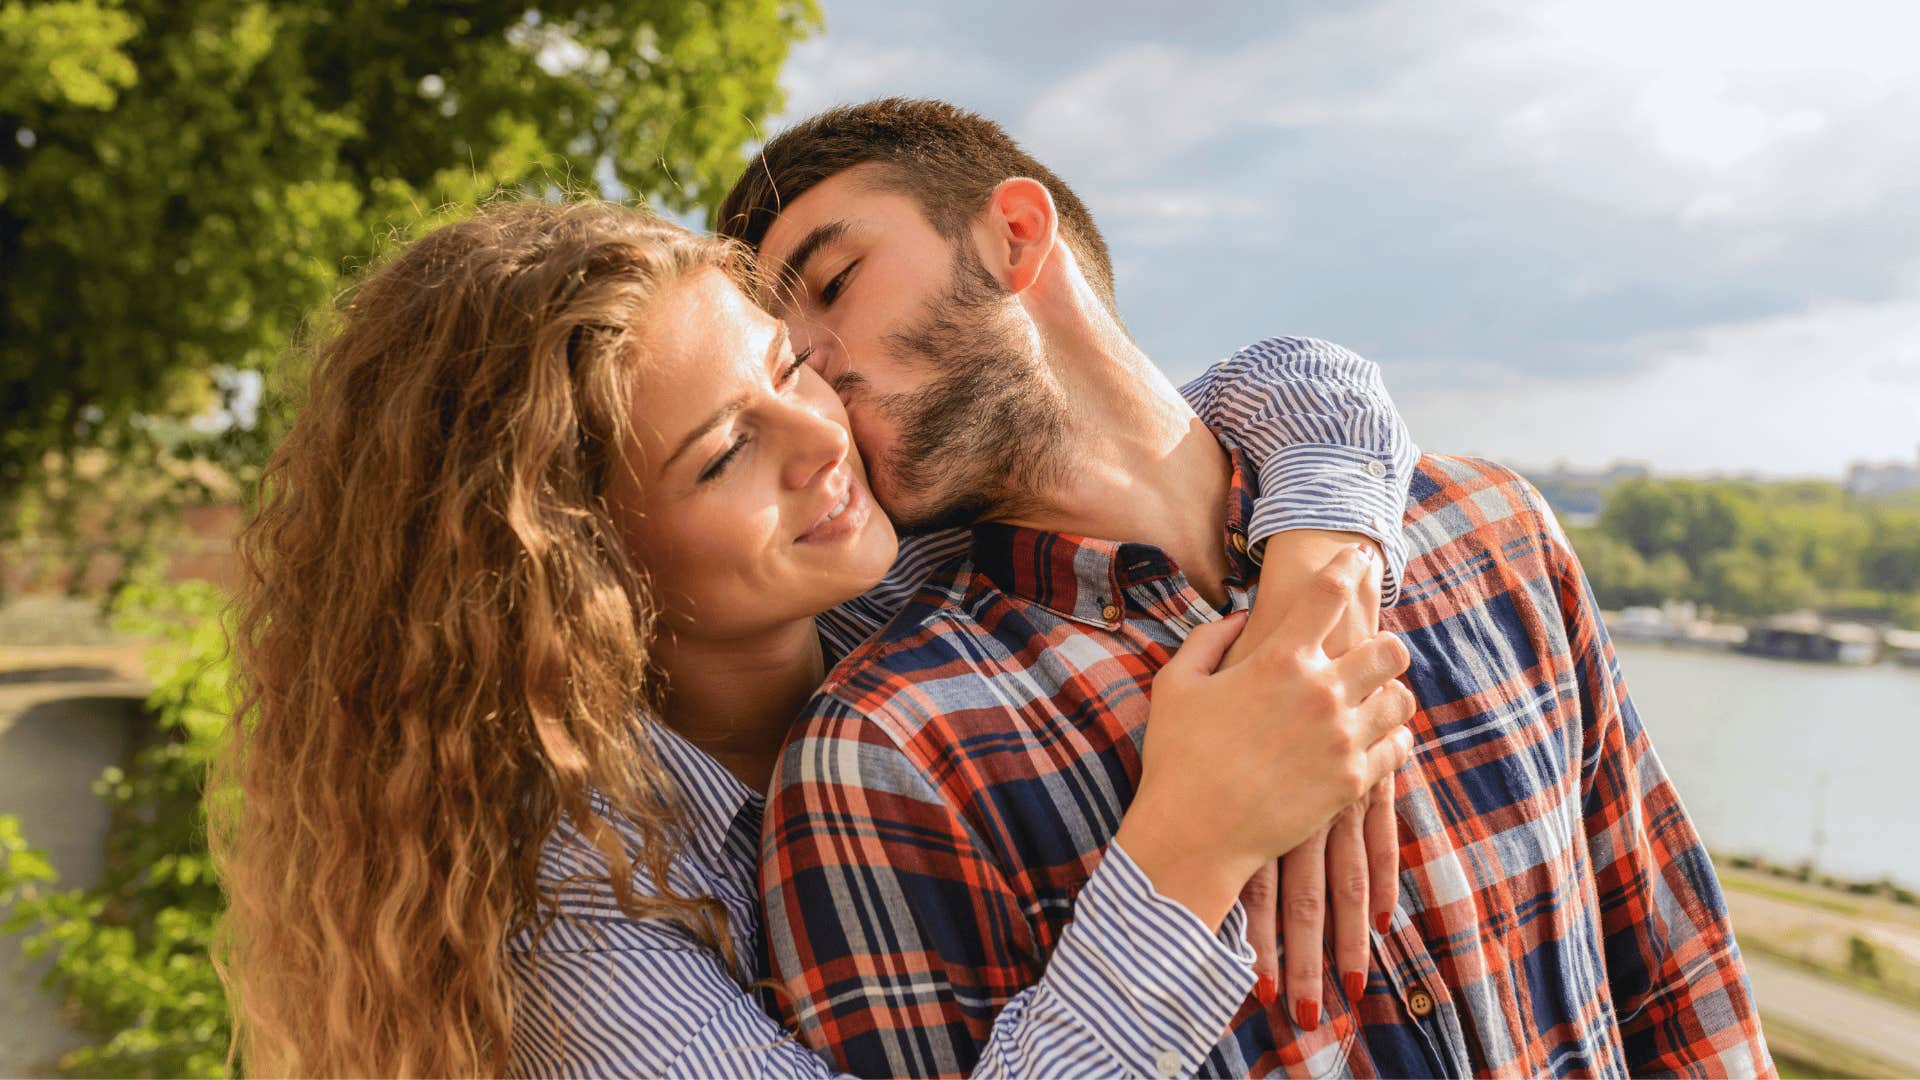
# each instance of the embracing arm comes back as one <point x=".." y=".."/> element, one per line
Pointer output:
<point x="1315" y="420"/>
<point x="1334" y="461"/>
<point x="1332" y="453"/>
<point x="640" y="1000"/>
<point x="904" y="951"/>
<point x="1134" y="975"/>
<point x="1679" y="985"/>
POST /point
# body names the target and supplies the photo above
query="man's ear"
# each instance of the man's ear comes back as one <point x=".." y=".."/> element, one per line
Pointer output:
<point x="1022" y="231"/>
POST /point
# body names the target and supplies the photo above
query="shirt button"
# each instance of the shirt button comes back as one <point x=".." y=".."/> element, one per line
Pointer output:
<point x="1376" y="470"/>
<point x="1421" y="1003"/>
<point x="1167" y="1064"/>
<point x="1379" y="523"/>
<point x="1239" y="541"/>
<point x="1111" y="613"/>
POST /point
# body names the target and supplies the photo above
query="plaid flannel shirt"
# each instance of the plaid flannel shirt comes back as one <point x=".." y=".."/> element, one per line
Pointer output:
<point x="953" y="783"/>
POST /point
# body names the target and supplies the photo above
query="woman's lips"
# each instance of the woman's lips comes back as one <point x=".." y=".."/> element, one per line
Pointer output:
<point x="844" y="519"/>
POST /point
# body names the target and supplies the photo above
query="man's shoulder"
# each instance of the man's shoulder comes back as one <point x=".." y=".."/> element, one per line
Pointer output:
<point x="1451" y="495"/>
<point x="1463" y="509"/>
<point x="888" y="679"/>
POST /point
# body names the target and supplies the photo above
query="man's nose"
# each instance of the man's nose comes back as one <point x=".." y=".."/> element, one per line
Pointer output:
<point x="819" y="443"/>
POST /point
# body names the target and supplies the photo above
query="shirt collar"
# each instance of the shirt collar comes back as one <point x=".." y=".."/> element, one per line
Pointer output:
<point x="717" y="803"/>
<point x="1084" y="579"/>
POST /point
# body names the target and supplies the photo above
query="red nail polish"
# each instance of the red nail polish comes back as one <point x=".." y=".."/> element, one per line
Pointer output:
<point x="1266" y="989"/>
<point x="1381" y="921"/>
<point x="1356" y="985"/>
<point x="1306" y="1015"/>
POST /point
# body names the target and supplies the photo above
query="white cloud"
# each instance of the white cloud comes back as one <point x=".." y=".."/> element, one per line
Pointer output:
<point x="1672" y="194"/>
<point x="1795" y="394"/>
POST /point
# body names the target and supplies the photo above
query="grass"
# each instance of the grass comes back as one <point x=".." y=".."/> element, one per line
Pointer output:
<point x="1798" y="1052"/>
<point x="1804" y="895"/>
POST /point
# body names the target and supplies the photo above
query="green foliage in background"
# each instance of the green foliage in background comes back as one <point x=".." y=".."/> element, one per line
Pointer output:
<point x="1747" y="548"/>
<point x="131" y="954"/>
<point x="181" y="184"/>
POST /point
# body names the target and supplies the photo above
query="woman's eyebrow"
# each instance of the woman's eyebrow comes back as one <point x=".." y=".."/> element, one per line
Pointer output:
<point x="731" y="408"/>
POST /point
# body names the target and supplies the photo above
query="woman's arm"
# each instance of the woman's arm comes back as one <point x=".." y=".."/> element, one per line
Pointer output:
<point x="1331" y="451"/>
<point x="1317" y="425"/>
<point x="1137" y="986"/>
<point x="1334" y="461"/>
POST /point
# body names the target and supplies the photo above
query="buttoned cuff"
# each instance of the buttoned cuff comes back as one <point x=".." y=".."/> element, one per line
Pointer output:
<point x="1144" y="973"/>
<point x="1338" y="488"/>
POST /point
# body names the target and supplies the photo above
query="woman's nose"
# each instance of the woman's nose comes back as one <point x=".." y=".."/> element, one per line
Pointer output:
<point x="820" y="444"/>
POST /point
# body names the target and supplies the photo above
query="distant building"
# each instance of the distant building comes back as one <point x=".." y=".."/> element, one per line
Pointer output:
<point x="1892" y="478"/>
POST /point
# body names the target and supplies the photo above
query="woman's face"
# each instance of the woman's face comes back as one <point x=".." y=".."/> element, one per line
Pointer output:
<point x="745" y="502"/>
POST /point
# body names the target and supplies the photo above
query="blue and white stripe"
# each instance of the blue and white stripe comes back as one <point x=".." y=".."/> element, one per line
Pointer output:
<point x="1330" y="447"/>
<point x="1137" y="986"/>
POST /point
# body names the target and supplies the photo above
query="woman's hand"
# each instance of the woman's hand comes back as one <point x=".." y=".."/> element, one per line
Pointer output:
<point x="1343" y="879"/>
<point x="1242" y="764"/>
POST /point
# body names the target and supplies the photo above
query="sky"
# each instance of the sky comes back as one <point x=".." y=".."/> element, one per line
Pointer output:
<point x="1686" y="234"/>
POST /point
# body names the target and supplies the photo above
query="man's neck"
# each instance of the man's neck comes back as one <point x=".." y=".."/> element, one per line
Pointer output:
<point x="1141" y="466"/>
<point x="740" y="721"/>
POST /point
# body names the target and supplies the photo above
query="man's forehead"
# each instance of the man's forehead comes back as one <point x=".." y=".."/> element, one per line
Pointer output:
<point x="859" y="202"/>
<point x="847" y="194"/>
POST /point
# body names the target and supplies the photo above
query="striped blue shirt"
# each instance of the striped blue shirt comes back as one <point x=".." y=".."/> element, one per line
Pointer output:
<point x="1136" y="985"/>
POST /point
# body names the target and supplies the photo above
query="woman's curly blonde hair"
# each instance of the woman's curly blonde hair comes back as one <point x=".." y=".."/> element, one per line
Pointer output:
<point x="442" y="646"/>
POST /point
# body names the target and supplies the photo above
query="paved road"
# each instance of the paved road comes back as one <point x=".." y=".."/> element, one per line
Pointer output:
<point x="1875" y="1027"/>
<point x="59" y="726"/>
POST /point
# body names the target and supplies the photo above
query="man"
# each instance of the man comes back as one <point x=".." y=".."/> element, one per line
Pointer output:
<point x="955" y="779"/>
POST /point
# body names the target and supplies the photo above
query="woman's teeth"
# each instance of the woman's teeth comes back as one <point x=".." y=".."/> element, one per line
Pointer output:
<point x="840" y="509"/>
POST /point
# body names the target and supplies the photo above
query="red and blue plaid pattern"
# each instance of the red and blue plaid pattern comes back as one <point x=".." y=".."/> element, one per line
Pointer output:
<point x="952" y="786"/>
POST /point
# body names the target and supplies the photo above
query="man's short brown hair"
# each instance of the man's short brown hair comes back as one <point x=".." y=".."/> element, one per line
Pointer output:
<point x="947" y="158"/>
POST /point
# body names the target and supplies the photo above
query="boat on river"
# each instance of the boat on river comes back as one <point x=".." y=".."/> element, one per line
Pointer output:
<point x="1904" y="647"/>
<point x="1806" y="636"/>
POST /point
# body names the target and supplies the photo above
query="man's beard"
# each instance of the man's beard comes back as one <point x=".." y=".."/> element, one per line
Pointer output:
<point x="984" y="440"/>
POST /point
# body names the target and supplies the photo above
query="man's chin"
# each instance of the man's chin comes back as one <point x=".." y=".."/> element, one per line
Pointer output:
<point x="924" y="511"/>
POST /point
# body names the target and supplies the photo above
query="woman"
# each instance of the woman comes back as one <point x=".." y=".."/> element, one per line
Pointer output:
<point x="471" y="757"/>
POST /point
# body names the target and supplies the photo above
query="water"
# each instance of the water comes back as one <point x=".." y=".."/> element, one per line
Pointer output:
<point x="1789" y="761"/>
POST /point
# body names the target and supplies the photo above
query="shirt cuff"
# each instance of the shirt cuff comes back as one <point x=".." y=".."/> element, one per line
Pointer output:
<point x="1338" y="488"/>
<point x="1144" y="973"/>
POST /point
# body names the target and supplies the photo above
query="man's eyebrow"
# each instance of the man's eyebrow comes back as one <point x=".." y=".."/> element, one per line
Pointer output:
<point x="805" y="250"/>
<point x="730" y="409"/>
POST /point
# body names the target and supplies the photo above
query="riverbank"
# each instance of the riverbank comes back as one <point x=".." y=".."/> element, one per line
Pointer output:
<point x="1798" y="636"/>
<point x="1836" y="970"/>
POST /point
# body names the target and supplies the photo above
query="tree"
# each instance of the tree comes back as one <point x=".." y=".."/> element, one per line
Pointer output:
<point x="181" y="184"/>
<point x="1742" y="582"/>
<point x="1646" y="514"/>
<point x="1712" y="519"/>
<point x="1892" y="560"/>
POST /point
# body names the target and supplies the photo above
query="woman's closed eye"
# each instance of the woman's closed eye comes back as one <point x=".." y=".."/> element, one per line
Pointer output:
<point x="718" y="466"/>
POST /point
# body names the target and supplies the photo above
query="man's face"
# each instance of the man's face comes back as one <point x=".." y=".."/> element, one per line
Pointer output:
<point x="939" y="366"/>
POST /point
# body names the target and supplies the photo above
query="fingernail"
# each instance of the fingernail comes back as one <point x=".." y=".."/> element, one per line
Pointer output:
<point x="1356" y="985"/>
<point x="1266" y="990"/>
<point x="1306" y="1015"/>
<point x="1381" y="921"/>
<point x="1364" y="552"/>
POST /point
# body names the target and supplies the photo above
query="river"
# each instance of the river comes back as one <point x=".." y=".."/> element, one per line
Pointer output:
<point x="1790" y="761"/>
